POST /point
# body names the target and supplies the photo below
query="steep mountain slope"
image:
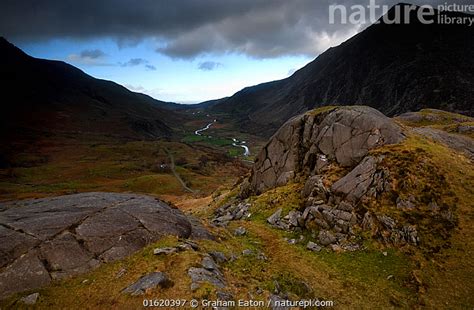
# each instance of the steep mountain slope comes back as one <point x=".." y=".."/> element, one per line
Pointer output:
<point x="394" y="68"/>
<point x="51" y="96"/>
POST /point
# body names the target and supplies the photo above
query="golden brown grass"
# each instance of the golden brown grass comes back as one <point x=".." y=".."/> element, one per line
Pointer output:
<point x="433" y="170"/>
<point x="63" y="166"/>
<point x="404" y="278"/>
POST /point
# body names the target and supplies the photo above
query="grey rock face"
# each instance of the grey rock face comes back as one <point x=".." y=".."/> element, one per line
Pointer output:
<point x="276" y="301"/>
<point x="275" y="217"/>
<point x="25" y="273"/>
<point x="219" y="257"/>
<point x="209" y="264"/>
<point x="363" y="178"/>
<point x="13" y="244"/>
<point x="306" y="143"/>
<point x="200" y="275"/>
<point x="209" y="273"/>
<point x="231" y="212"/>
<point x="149" y="281"/>
<point x="164" y="251"/>
<point x="293" y="218"/>
<point x="326" y="238"/>
<point x="315" y="188"/>
<point x="198" y="231"/>
<point x="30" y="299"/>
<point x="313" y="247"/>
<point x="52" y="238"/>
<point x="240" y="231"/>
<point x="315" y="148"/>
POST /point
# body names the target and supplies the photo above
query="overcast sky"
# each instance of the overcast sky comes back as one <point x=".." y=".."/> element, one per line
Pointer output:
<point x="179" y="50"/>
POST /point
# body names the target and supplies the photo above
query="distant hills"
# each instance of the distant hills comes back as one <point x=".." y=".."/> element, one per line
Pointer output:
<point x="393" y="68"/>
<point x="43" y="96"/>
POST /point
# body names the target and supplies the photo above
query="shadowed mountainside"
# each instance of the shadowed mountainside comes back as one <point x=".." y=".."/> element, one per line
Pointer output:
<point x="41" y="96"/>
<point x="393" y="68"/>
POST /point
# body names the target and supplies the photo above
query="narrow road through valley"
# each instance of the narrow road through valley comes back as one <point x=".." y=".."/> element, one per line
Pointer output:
<point x="173" y="169"/>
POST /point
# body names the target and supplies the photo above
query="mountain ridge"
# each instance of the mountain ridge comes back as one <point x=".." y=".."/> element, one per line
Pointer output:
<point x="393" y="68"/>
<point x="49" y="95"/>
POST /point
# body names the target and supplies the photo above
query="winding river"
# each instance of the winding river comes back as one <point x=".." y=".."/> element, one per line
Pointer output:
<point x="235" y="143"/>
<point x="198" y="132"/>
<point x="241" y="144"/>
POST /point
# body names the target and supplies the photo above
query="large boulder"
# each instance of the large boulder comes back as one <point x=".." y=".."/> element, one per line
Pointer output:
<point x="52" y="238"/>
<point x="307" y="143"/>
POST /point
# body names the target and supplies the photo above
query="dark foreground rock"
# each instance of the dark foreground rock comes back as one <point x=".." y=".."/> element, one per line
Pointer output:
<point x="46" y="239"/>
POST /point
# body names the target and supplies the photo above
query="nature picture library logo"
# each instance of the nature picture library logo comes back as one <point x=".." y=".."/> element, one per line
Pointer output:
<point x="401" y="14"/>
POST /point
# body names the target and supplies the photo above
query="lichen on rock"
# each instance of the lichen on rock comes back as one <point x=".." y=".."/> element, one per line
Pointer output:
<point x="306" y="144"/>
<point x="309" y="149"/>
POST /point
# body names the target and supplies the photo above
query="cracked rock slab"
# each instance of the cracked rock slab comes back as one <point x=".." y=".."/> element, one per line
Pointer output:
<point x="57" y="237"/>
<point x="357" y="182"/>
<point x="25" y="273"/>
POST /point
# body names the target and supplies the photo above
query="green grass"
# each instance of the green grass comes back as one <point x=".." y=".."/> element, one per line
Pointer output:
<point x="443" y="120"/>
<point x="215" y="141"/>
<point x="235" y="152"/>
<point x="416" y="170"/>
<point x="406" y="277"/>
<point x="287" y="197"/>
<point x="321" y="110"/>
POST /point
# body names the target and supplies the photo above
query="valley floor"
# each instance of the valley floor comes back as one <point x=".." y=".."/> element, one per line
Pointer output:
<point x="259" y="262"/>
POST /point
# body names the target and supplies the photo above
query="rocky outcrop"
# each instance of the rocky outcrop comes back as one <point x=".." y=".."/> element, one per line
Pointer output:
<point x="395" y="194"/>
<point x="306" y="149"/>
<point x="308" y="143"/>
<point x="364" y="179"/>
<point x="209" y="272"/>
<point x="52" y="238"/>
<point x="230" y="212"/>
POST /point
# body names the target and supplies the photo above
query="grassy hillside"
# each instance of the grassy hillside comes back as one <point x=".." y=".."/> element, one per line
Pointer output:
<point x="63" y="165"/>
<point x="435" y="275"/>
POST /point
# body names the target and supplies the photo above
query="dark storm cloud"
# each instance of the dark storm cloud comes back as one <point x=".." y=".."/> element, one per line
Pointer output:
<point x="209" y="65"/>
<point x="187" y="28"/>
